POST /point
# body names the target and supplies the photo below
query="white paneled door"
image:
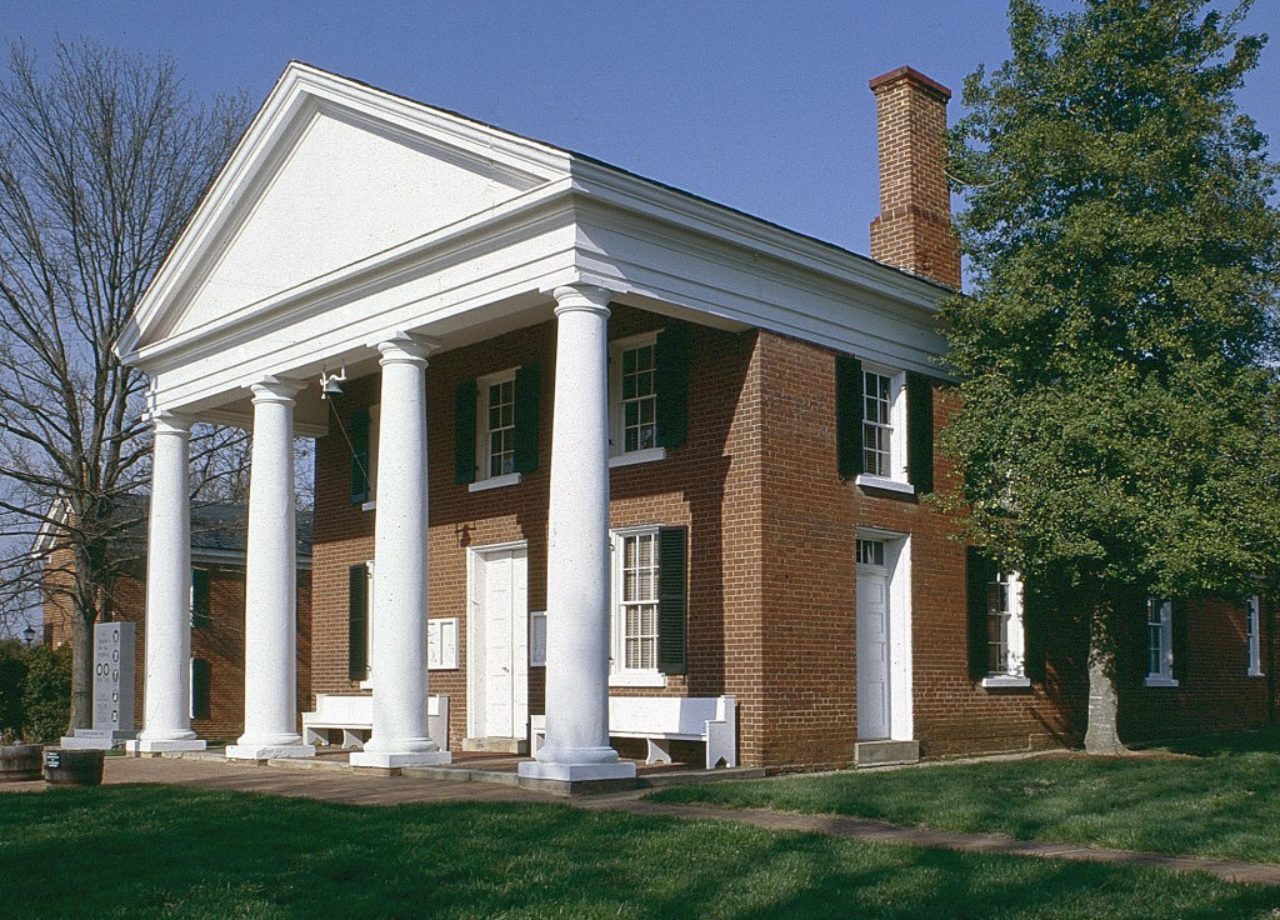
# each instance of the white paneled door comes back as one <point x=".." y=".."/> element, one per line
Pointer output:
<point x="499" y="672"/>
<point x="873" y="645"/>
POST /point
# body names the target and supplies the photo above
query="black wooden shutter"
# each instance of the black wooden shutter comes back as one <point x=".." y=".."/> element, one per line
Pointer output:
<point x="848" y="416"/>
<point x="201" y="687"/>
<point x="671" y="362"/>
<point x="1181" y="612"/>
<point x="919" y="432"/>
<point x="358" y="622"/>
<point x="980" y="571"/>
<point x="464" y="432"/>
<point x="199" y="599"/>
<point x="528" y="395"/>
<point x="1035" y="622"/>
<point x="360" y="456"/>
<point x="672" y="594"/>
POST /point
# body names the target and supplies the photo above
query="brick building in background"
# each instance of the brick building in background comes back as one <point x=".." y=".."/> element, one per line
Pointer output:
<point x="216" y="610"/>
<point x="592" y="450"/>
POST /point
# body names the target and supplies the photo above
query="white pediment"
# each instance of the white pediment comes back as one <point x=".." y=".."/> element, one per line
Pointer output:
<point x="331" y="173"/>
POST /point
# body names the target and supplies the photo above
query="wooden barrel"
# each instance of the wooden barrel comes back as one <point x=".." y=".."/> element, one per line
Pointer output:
<point x="64" y="767"/>
<point x="19" y="762"/>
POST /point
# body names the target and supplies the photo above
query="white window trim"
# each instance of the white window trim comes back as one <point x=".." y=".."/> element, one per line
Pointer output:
<point x="618" y="456"/>
<point x="1253" y="635"/>
<point x="868" y="481"/>
<point x="367" y="683"/>
<point x="483" y="479"/>
<point x="1015" y="673"/>
<point x="897" y="479"/>
<point x="648" y="455"/>
<point x="1164" y="677"/>
<point x="496" y="482"/>
<point x="620" y="676"/>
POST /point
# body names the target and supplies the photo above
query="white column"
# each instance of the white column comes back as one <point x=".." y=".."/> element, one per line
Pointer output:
<point x="400" y="735"/>
<point x="271" y="590"/>
<point x="167" y="706"/>
<point x="577" y="746"/>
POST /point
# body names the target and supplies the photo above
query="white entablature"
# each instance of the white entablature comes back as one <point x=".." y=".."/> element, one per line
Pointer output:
<point x="347" y="214"/>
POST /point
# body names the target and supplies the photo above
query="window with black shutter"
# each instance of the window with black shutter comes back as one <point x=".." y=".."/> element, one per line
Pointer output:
<point x="358" y="622"/>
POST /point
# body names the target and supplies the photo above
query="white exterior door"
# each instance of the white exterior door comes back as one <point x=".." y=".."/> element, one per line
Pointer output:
<point x="499" y="682"/>
<point x="873" y="652"/>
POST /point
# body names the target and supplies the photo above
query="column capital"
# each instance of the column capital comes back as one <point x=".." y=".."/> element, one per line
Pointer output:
<point x="271" y="389"/>
<point x="165" y="422"/>
<point x="589" y="297"/>
<point x="407" y="348"/>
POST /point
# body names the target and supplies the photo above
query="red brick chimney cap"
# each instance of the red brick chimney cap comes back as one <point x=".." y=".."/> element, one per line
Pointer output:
<point x="910" y="74"/>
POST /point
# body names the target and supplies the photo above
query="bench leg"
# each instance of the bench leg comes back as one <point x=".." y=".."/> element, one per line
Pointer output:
<point x="317" y="738"/>
<point x="351" y="741"/>
<point x="659" y="751"/>
<point x="721" y="745"/>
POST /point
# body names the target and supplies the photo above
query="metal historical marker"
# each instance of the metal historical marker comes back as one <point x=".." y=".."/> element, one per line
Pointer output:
<point x="113" y="688"/>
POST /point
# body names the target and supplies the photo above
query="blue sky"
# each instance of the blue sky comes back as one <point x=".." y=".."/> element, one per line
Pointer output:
<point x="760" y="105"/>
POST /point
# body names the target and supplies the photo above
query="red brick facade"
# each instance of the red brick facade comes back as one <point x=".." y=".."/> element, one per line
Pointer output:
<point x="772" y="575"/>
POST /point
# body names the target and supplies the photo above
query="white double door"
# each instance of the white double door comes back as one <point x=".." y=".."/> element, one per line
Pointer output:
<point x="498" y="633"/>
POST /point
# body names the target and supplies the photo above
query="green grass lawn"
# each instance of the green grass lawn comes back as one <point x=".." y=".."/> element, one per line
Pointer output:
<point x="141" y="851"/>
<point x="1209" y="797"/>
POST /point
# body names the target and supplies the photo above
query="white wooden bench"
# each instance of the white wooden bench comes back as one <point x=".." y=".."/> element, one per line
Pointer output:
<point x="353" y="715"/>
<point x="660" y="720"/>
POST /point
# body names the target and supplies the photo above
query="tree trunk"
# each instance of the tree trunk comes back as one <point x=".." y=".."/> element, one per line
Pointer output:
<point x="82" y="668"/>
<point x="1101" y="736"/>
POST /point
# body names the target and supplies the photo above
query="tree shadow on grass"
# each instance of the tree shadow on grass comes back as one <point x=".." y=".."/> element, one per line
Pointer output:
<point x="155" y="851"/>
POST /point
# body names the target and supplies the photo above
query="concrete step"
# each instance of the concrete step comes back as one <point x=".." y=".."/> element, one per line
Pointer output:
<point x="885" y="753"/>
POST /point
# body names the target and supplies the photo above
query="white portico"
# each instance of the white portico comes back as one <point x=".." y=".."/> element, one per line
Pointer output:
<point x="353" y="230"/>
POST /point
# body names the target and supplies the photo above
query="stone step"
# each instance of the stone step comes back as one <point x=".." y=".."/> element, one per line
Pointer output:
<point x="885" y="753"/>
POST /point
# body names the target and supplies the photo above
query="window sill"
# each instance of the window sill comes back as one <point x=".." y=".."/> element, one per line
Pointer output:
<point x="1253" y="672"/>
<point x="648" y="455"/>
<point x="369" y="506"/>
<point x="496" y="482"/>
<point x="1160" y="682"/>
<point x="366" y="685"/>
<point x="1006" y="682"/>
<point x="638" y="680"/>
<point x="867" y="481"/>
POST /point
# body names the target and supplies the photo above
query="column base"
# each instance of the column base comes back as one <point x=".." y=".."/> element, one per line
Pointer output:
<point x="390" y="761"/>
<point x="163" y="747"/>
<point x="576" y="772"/>
<point x="269" y="751"/>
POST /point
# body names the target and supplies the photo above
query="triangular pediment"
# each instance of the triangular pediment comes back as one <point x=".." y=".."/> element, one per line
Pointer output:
<point x="330" y="173"/>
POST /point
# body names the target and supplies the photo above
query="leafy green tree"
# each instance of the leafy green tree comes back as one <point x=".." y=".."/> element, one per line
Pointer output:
<point x="1118" y="437"/>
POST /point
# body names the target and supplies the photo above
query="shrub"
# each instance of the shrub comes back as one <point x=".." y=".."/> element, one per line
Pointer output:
<point x="46" y="702"/>
<point x="13" y="678"/>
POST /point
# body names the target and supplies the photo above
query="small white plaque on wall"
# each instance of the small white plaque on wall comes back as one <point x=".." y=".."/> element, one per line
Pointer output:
<point x="537" y="638"/>
<point x="442" y="644"/>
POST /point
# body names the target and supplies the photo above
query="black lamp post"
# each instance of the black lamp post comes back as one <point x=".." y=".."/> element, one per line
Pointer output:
<point x="29" y="634"/>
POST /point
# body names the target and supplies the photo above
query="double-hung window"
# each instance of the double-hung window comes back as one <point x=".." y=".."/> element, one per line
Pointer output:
<point x="633" y="399"/>
<point x="884" y="425"/>
<point x="1006" y="633"/>
<point x="648" y="622"/>
<point x="496" y="431"/>
<point x="1253" y="634"/>
<point x="1160" y="643"/>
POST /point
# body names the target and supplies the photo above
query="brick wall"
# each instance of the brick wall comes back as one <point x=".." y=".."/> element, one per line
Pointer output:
<point x="221" y="643"/>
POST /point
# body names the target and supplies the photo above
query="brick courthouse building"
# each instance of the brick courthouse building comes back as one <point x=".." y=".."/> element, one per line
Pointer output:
<point x="671" y="454"/>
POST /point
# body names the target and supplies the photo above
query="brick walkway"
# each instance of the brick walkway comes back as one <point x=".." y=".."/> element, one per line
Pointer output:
<point x="376" y="790"/>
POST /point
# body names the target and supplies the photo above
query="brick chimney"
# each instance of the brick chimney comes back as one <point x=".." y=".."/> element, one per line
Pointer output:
<point x="913" y="231"/>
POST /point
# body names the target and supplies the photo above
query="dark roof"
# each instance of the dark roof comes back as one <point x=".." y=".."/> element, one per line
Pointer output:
<point x="215" y="526"/>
